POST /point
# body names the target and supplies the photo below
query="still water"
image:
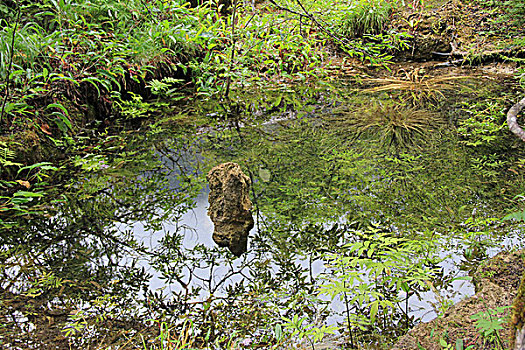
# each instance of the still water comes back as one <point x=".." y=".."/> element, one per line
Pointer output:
<point x="330" y="171"/>
<point x="324" y="171"/>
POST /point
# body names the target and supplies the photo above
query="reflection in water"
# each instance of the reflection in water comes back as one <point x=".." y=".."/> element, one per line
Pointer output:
<point x="318" y="183"/>
<point x="315" y="175"/>
<point x="198" y="229"/>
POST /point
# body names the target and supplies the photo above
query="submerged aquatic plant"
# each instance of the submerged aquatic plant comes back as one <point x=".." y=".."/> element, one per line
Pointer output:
<point x="415" y="87"/>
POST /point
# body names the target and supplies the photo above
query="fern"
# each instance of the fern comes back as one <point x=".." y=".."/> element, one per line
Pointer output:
<point x="6" y="155"/>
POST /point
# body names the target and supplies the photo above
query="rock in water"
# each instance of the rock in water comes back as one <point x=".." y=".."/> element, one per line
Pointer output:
<point x="230" y="207"/>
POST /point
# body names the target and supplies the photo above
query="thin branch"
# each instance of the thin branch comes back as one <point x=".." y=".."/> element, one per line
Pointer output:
<point x="308" y="15"/>
<point x="279" y="7"/>
<point x="229" y="79"/>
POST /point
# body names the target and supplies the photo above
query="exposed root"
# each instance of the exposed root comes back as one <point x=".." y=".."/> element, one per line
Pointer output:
<point x="512" y="122"/>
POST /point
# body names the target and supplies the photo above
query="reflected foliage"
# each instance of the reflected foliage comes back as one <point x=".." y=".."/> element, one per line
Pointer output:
<point x="337" y="214"/>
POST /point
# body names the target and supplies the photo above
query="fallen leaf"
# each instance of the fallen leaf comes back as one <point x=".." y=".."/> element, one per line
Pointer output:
<point x="45" y="129"/>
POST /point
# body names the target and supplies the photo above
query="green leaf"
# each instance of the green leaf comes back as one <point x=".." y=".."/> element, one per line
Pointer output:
<point x="462" y="278"/>
<point x="28" y="194"/>
<point x="59" y="106"/>
<point x="41" y="165"/>
<point x="20" y="200"/>
<point x="9" y="107"/>
<point x="61" y="121"/>
<point x="278" y="331"/>
<point x="62" y="77"/>
<point x="519" y="216"/>
<point x="373" y="310"/>
<point x="93" y="81"/>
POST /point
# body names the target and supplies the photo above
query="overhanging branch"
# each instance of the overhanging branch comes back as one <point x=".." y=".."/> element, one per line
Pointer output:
<point x="343" y="41"/>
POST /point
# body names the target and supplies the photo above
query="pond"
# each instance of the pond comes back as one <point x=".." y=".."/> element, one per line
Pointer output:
<point x="371" y="210"/>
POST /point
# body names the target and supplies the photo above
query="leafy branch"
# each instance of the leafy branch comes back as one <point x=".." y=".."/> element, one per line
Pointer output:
<point x="347" y="46"/>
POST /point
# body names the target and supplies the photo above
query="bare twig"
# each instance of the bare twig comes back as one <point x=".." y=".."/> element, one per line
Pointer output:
<point x="279" y="7"/>
<point x="311" y="17"/>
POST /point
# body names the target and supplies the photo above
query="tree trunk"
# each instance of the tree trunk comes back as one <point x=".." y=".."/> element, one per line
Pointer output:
<point x="511" y="119"/>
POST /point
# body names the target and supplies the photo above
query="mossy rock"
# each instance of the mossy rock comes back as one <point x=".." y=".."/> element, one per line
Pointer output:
<point x="432" y="33"/>
<point x="26" y="145"/>
<point x="29" y="147"/>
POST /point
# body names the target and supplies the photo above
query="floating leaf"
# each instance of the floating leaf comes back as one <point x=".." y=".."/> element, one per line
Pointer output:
<point x="264" y="174"/>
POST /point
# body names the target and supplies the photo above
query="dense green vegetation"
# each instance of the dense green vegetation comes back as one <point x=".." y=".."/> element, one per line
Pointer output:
<point x="370" y="178"/>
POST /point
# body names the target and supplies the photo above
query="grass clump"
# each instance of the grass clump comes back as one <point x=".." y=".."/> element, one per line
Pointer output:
<point x="365" y="17"/>
<point x="395" y="125"/>
<point x="515" y="11"/>
<point x="415" y="87"/>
